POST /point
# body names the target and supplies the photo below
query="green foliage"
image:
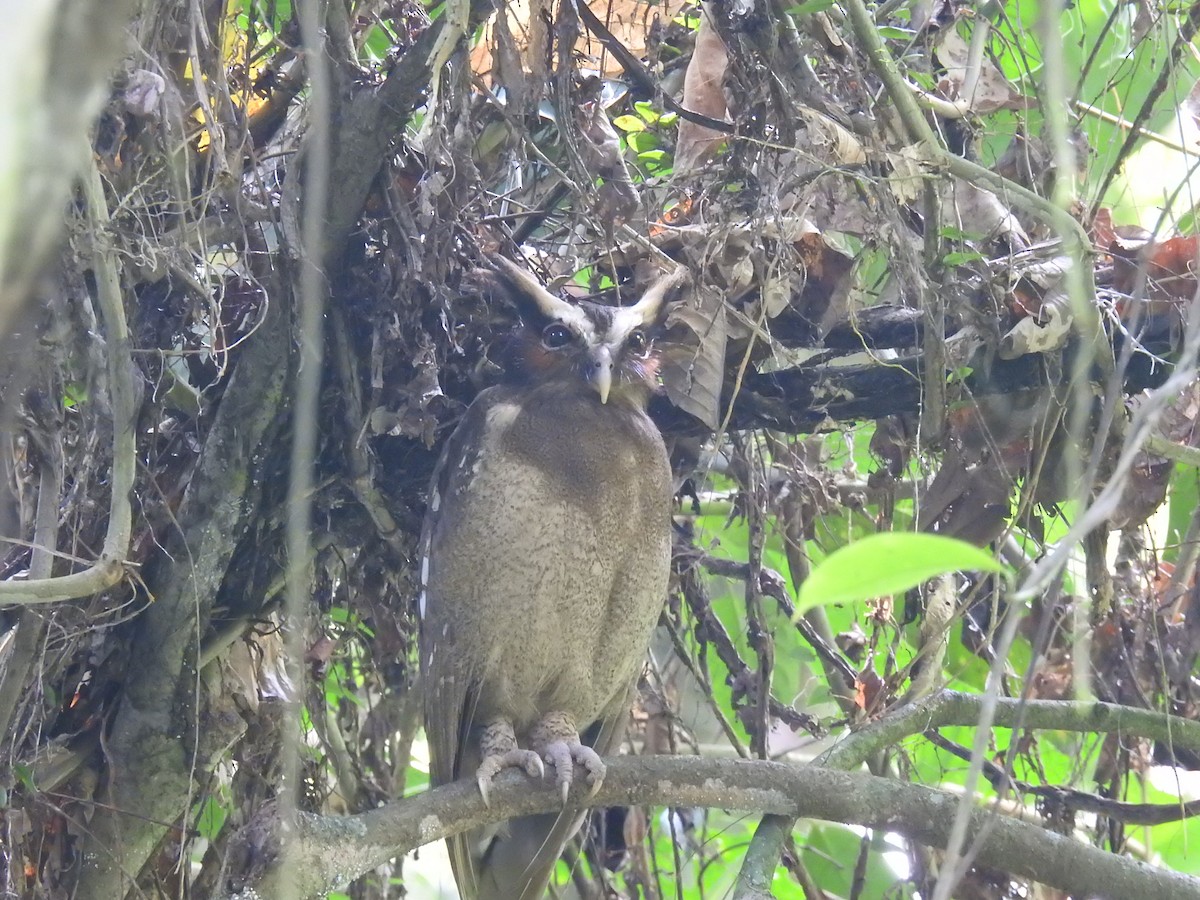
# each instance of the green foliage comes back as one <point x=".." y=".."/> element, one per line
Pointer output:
<point x="831" y="852"/>
<point x="211" y="818"/>
<point x="1111" y="66"/>
<point x="888" y="563"/>
<point x="810" y="7"/>
<point x="74" y="394"/>
<point x="1183" y="499"/>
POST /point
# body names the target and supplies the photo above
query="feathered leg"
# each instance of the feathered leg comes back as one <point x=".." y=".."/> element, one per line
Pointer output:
<point x="498" y="744"/>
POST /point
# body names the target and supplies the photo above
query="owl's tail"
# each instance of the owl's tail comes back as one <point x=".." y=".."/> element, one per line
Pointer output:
<point x="519" y="860"/>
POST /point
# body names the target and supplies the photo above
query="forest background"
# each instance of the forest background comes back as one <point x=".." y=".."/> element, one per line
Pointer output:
<point x="932" y="410"/>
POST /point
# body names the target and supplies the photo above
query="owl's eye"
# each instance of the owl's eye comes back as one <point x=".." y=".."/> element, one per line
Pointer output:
<point x="556" y="336"/>
<point x="636" y="340"/>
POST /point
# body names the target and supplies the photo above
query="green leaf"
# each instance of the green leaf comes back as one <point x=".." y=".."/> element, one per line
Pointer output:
<point x="211" y="818"/>
<point x="888" y="32"/>
<point x="646" y="110"/>
<point x="24" y="775"/>
<point x="960" y="257"/>
<point x="74" y="394"/>
<point x="957" y="234"/>
<point x="888" y="563"/>
<point x="959" y="375"/>
<point x="668" y="119"/>
<point x="377" y="44"/>
<point x="807" y="9"/>
<point x="629" y="123"/>
<point x="642" y="143"/>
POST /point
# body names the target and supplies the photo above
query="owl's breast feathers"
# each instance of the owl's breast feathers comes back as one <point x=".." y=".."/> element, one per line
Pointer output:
<point x="548" y="556"/>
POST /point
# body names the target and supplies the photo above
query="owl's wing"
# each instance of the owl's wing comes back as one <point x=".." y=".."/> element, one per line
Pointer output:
<point x="450" y="695"/>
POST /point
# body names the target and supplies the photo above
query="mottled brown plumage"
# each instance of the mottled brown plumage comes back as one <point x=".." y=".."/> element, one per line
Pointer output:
<point x="546" y="564"/>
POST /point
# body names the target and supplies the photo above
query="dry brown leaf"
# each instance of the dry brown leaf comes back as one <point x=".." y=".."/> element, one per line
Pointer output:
<point x="909" y="167"/>
<point x="703" y="92"/>
<point x="846" y="149"/>
<point x="628" y="20"/>
<point x="617" y="200"/>
<point x="989" y="91"/>
<point x="693" y="369"/>
<point x="977" y="210"/>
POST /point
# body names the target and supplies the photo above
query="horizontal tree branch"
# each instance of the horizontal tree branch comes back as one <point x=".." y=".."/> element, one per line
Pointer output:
<point x="1057" y="800"/>
<point x="333" y="850"/>
<point x="956" y="708"/>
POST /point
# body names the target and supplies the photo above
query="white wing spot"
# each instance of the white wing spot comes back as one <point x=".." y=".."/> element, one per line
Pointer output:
<point x="435" y="501"/>
<point x="421" y="604"/>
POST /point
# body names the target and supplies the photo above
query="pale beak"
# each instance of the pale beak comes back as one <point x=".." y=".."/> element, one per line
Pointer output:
<point x="601" y="372"/>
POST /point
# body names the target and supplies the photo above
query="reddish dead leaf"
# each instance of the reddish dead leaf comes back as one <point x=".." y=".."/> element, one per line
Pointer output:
<point x="1024" y="301"/>
<point x="1053" y="677"/>
<point x="320" y="652"/>
<point x="1161" y="579"/>
<point x="1153" y="270"/>
<point x="1172" y="266"/>
<point x="1103" y="233"/>
<point x="880" y="610"/>
<point x="673" y="217"/>
<point x="869" y="690"/>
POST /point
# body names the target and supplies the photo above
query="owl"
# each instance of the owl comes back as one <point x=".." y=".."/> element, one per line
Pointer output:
<point x="546" y="556"/>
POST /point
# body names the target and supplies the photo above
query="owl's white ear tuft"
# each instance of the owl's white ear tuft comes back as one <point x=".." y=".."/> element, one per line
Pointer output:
<point x="531" y="289"/>
<point x="650" y="307"/>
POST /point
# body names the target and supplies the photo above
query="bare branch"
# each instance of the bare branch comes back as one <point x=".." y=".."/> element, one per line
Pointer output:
<point x="123" y="403"/>
<point x="332" y="850"/>
<point x="955" y="708"/>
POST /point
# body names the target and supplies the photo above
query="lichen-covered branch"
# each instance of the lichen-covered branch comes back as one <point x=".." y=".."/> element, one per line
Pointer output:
<point x="334" y="850"/>
<point x="956" y="708"/>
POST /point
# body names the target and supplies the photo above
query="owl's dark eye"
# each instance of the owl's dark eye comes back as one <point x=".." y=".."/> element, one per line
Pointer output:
<point x="636" y="340"/>
<point x="556" y="336"/>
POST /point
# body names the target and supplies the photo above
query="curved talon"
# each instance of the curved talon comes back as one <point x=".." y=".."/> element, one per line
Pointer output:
<point x="558" y="754"/>
<point x="526" y="760"/>
<point x="564" y="756"/>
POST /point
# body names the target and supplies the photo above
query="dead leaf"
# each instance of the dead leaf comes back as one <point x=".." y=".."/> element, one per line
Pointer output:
<point x="909" y="168"/>
<point x="1159" y="270"/>
<point x="978" y="84"/>
<point x="703" y="92"/>
<point x="1030" y="335"/>
<point x="976" y="210"/>
<point x="845" y="149"/>
<point x="617" y="200"/>
<point x="869" y="691"/>
<point x="628" y="20"/>
<point x="693" y="370"/>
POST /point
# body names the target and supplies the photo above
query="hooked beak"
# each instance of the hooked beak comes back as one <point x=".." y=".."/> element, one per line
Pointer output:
<point x="601" y="372"/>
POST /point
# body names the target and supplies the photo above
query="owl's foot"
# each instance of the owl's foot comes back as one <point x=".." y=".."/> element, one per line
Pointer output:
<point x="500" y="751"/>
<point x="564" y="756"/>
<point x="557" y="739"/>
